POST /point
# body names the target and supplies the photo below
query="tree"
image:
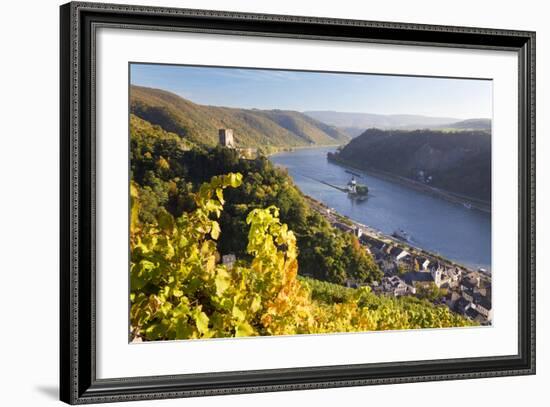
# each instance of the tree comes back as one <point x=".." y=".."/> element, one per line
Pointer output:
<point x="401" y="268"/>
<point x="430" y="291"/>
<point x="179" y="289"/>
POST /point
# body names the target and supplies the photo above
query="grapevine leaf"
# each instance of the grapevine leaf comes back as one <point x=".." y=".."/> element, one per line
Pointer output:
<point x="244" y="329"/>
<point x="201" y="320"/>
<point x="166" y="221"/>
<point x="183" y="329"/>
<point x="219" y="194"/>
<point x="235" y="179"/>
<point x="215" y="232"/>
<point x="222" y="281"/>
<point x="256" y="303"/>
<point x="238" y="314"/>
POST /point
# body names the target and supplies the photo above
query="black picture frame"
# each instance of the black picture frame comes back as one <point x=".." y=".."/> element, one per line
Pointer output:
<point x="78" y="382"/>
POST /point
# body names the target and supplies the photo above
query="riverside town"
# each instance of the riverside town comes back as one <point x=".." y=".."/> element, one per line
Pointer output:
<point x="406" y="268"/>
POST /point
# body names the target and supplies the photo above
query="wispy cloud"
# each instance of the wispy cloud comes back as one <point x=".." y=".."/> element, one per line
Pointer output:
<point x="256" y="74"/>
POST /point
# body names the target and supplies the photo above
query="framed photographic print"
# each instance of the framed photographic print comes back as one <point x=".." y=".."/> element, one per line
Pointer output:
<point x="256" y="203"/>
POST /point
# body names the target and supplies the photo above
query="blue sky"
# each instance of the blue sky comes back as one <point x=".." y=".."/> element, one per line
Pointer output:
<point x="301" y="91"/>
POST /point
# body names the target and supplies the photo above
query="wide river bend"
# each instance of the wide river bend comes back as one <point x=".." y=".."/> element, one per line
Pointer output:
<point x="434" y="224"/>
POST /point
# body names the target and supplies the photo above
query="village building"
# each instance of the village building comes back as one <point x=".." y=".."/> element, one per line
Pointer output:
<point x="423" y="262"/>
<point x="393" y="251"/>
<point x="453" y="275"/>
<point x="462" y="305"/>
<point x="416" y="277"/>
<point x="407" y="268"/>
<point x="472" y="314"/>
<point x="451" y="299"/>
<point x="343" y="227"/>
<point x="395" y="286"/>
<point x="483" y="306"/>
<point x="387" y="266"/>
<point x="402" y="255"/>
<point x="470" y="281"/>
<point x="437" y="275"/>
<point x="468" y="294"/>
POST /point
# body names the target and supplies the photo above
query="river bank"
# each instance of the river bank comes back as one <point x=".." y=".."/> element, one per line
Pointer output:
<point x="409" y="270"/>
<point x="334" y="217"/>
<point x="467" y="202"/>
<point x="434" y="224"/>
<point x="281" y="150"/>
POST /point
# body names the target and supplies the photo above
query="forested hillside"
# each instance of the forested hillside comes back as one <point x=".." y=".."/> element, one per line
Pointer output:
<point x="252" y="128"/>
<point x="180" y="290"/>
<point x="166" y="174"/>
<point x="459" y="162"/>
<point x="184" y="217"/>
<point x="192" y="203"/>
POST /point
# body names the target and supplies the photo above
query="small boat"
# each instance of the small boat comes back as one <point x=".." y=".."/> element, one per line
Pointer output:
<point x="467" y="205"/>
<point x="401" y="234"/>
<point x="356" y="190"/>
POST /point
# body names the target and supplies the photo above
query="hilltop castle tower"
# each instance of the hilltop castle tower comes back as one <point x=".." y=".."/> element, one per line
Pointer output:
<point x="226" y="138"/>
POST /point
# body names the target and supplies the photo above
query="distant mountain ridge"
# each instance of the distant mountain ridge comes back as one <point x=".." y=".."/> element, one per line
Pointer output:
<point x="382" y="121"/>
<point x="355" y="123"/>
<point x="252" y="128"/>
<point x="470" y="124"/>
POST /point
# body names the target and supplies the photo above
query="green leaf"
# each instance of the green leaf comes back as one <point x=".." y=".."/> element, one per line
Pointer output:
<point x="215" y="232"/>
<point x="210" y="264"/>
<point x="134" y="211"/>
<point x="244" y="329"/>
<point x="238" y="314"/>
<point x="163" y="164"/>
<point x="256" y="303"/>
<point x="222" y="281"/>
<point x="183" y="329"/>
<point x="201" y="320"/>
<point x="157" y="330"/>
<point x="235" y="179"/>
<point x="213" y="206"/>
<point x="166" y="221"/>
<point x="141" y="274"/>
<point x="219" y="194"/>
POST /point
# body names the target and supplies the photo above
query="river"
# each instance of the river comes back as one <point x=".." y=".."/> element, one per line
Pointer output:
<point x="434" y="224"/>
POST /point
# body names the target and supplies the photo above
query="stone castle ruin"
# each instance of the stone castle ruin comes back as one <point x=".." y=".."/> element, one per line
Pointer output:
<point x="226" y="138"/>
